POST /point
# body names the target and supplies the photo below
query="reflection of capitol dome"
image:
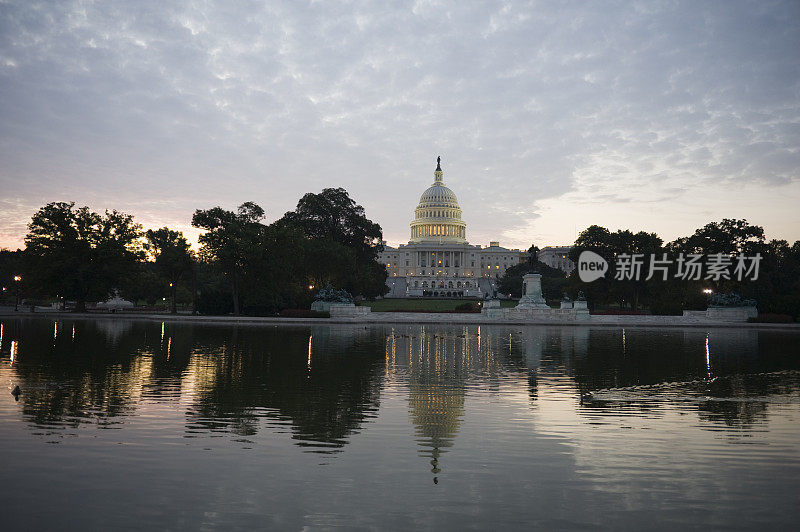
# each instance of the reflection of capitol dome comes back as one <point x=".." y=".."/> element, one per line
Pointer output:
<point x="436" y="396"/>
<point x="438" y="216"/>
<point x="436" y="410"/>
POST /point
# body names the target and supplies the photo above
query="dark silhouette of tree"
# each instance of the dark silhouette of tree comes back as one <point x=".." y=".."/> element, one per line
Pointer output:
<point x="231" y="242"/>
<point x="173" y="257"/>
<point x="730" y="236"/>
<point x="333" y="215"/>
<point x="344" y="243"/>
<point x="81" y="254"/>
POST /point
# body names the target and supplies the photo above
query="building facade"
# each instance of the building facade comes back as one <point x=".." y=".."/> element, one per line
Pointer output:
<point x="438" y="261"/>
<point x="556" y="257"/>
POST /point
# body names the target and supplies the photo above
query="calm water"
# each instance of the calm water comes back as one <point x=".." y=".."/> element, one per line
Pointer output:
<point x="126" y="424"/>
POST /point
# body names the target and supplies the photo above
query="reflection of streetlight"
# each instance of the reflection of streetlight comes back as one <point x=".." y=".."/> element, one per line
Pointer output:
<point x="17" y="279"/>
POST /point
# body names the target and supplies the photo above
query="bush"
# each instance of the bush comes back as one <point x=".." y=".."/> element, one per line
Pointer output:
<point x="771" y="318"/>
<point x="303" y="313"/>
<point x="467" y="307"/>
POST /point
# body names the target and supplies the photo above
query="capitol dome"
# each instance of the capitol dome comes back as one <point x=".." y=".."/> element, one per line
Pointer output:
<point x="438" y="195"/>
<point x="437" y="218"/>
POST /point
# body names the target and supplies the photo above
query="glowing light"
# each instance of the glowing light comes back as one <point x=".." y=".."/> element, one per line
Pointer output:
<point x="13" y="351"/>
<point x="311" y="287"/>
<point x="623" y="342"/>
<point x="18" y="278"/>
<point x="708" y="359"/>
<point x="707" y="291"/>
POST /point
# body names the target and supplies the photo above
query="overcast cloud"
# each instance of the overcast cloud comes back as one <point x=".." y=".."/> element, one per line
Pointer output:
<point x="548" y="116"/>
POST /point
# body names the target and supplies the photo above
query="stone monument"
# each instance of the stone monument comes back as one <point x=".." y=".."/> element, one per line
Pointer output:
<point x="532" y="293"/>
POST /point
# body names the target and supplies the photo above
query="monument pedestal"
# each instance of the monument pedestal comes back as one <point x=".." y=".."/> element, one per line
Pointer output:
<point x="532" y="293"/>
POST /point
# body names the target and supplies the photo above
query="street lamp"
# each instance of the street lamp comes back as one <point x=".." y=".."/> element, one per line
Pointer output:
<point x="17" y="279"/>
<point x="707" y="290"/>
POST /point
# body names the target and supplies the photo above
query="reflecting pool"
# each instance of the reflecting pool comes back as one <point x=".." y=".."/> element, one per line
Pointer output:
<point x="137" y="424"/>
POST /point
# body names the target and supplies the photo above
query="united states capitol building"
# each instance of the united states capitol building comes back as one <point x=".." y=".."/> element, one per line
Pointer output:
<point x="438" y="261"/>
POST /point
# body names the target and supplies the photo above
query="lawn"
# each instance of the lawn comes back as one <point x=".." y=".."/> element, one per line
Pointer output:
<point x="430" y="305"/>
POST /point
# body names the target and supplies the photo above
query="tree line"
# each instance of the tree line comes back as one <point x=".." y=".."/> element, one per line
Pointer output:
<point x="243" y="265"/>
<point x="776" y="289"/>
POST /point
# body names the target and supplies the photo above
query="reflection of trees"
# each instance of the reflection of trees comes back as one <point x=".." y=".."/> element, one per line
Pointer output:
<point x="740" y="414"/>
<point x="72" y="372"/>
<point x="681" y="364"/>
<point x="735" y="398"/>
<point x="236" y="379"/>
<point x="325" y="388"/>
<point x="231" y="377"/>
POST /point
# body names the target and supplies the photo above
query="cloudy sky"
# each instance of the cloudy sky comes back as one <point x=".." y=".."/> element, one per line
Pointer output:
<point x="549" y="116"/>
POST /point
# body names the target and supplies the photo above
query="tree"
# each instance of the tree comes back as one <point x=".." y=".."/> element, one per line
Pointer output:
<point x="231" y="242"/>
<point x="333" y="215"/>
<point x="173" y="258"/>
<point x="599" y="240"/>
<point x="80" y="254"/>
<point x="343" y="244"/>
<point x="730" y="236"/>
<point x="11" y="266"/>
<point x="642" y="243"/>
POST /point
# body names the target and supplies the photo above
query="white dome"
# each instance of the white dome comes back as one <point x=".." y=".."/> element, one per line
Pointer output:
<point x="438" y="194"/>
<point x="437" y="218"/>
